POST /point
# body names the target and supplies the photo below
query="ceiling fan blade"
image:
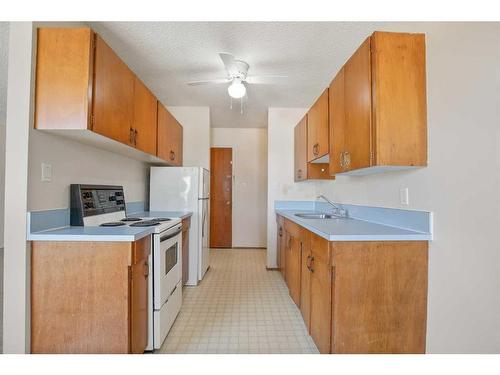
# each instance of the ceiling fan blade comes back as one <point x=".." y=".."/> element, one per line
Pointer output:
<point x="229" y="63"/>
<point x="208" y="82"/>
<point x="266" y="79"/>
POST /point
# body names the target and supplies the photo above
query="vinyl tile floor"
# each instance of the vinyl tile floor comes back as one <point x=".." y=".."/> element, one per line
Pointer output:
<point x="239" y="307"/>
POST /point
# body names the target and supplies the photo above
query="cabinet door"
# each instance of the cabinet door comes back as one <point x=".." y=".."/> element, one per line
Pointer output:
<point x="293" y="267"/>
<point x="321" y="293"/>
<point x="337" y="124"/>
<point x="139" y="273"/>
<point x="317" y="128"/>
<point x="300" y="150"/>
<point x="145" y="122"/>
<point x="113" y="99"/>
<point x="358" y="109"/>
<point x="305" y="280"/>
<point x="169" y="137"/>
<point x="279" y="238"/>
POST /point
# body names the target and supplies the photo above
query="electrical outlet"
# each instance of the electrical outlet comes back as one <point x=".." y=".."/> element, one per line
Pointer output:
<point x="46" y="172"/>
<point x="404" y="198"/>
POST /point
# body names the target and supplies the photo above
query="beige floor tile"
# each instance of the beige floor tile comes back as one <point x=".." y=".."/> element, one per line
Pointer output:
<point x="239" y="307"/>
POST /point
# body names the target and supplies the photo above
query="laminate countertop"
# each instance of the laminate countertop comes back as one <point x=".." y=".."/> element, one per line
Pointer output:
<point x="350" y="229"/>
<point x="119" y="234"/>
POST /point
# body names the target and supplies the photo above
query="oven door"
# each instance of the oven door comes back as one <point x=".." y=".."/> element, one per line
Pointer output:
<point x="167" y="268"/>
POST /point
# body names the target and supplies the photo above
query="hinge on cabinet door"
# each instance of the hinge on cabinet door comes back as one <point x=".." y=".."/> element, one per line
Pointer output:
<point x="130" y="273"/>
<point x="372" y="155"/>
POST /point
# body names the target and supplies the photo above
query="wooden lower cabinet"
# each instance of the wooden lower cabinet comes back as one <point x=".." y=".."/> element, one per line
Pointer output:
<point x="293" y="259"/>
<point x="320" y="293"/>
<point x="280" y="235"/>
<point x="186" y="223"/>
<point x="359" y="297"/>
<point x="89" y="297"/>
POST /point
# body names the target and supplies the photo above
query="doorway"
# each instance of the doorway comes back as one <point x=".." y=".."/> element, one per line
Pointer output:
<point x="221" y="197"/>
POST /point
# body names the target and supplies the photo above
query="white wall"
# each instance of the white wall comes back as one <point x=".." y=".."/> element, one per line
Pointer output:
<point x="73" y="162"/>
<point x="461" y="186"/>
<point x="2" y="180"/>
<point x="280" y="184"/>
<point x="250" y="183"/>
<point x="196" y="137"/>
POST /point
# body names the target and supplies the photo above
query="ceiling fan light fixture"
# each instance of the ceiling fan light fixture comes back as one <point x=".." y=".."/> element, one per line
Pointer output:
<point x="236" y="89"/>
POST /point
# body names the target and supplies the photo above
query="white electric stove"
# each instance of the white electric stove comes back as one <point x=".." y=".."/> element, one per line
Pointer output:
<point x="101" y="205"/>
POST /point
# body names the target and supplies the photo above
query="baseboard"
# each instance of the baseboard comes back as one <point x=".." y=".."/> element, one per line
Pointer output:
<point x="249" y="247"/>
<point x="272" y="268"/>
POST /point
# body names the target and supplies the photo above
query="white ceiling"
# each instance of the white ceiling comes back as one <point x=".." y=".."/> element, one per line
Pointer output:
<point x="166" y="55"/>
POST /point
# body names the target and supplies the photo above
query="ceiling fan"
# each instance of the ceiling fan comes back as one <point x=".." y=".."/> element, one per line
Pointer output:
<point x="238" y="77"/>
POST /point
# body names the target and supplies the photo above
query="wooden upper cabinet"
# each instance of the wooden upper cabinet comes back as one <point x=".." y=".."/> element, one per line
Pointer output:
<point x="170" y="137"/>
<point x="303" y="170"/>
<point x="399" y="94"/>
<point x="357" y="106"/>
<point x="378" y="115"/>
<point x="300" y="150"/>
<point x="317" y="129"/>
<point x="113" y="99"/>
<point x="145" y="118"/>
<point x="63" y="77"/>
<point x="337" y="123"/>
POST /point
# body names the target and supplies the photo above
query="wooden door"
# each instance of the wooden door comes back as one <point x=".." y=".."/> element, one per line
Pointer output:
<point x="305" y="279"/>
<point x="221" y="196"/>
<point x="337" y="123"/>
<point x="300" y="150"/>
<point x="139" y="274"/>
<point x="113" y="99"/>
<point x="145" y="118"/>
<point x="321" y="293"/>
<point x="170" y="137"/>
<point x="358" y="109"/>
<point x="317" y="128"/>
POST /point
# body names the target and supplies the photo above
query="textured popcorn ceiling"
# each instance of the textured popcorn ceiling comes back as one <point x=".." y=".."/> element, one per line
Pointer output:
<point x="166" y="55"/>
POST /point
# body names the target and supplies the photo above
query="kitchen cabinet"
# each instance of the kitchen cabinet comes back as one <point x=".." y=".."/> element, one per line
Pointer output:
<point x="89" y="297"/>
<point x="186" y="224"/>
<point x="170" y="137"/>
<point x="320" y="293"/>
<point x="377" y="105"/>
<point x="317" y="130"/>
<point x="359" y="296"/>
<point x="280" y="241"/>
<point x="303" y="170"/>
<point x="113" y="95"/>
<point x="305" y="279"/>
<point x="293" y="259"/>
<point x="85" y="92"/>
<point x="144" y="127"/>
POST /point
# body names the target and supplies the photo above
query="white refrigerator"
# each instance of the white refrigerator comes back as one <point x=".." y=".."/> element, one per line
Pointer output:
<point x="186" y="189"/>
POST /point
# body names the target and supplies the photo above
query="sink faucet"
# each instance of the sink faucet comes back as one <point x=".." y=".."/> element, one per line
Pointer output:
<point x="339" y="211"/>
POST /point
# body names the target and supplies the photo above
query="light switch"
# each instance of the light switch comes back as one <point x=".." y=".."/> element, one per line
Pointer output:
<point x="46" y="172"/>
<point x="404" y="197"/>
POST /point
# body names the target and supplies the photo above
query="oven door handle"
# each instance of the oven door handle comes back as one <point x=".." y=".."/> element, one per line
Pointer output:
<point x="168" y="236"/>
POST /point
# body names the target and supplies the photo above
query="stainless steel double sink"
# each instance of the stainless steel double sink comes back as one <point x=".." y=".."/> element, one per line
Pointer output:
<point x="313" y="215"/>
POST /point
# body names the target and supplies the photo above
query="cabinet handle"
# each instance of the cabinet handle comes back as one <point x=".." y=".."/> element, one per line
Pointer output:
<point x="135" y="137"/>
<point x="307" y="262"/>
<point x="131" y="136"/>
<point x="289" y="242"/>
<point x="172" y="155"/>
<point x="347" y="158"/>
<point x="316" y="149"/>
<point x="280" y="232"/>
<point x="146" y="269"/>
<point x="311" y="264"/>
<point x="299" y="173"/>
